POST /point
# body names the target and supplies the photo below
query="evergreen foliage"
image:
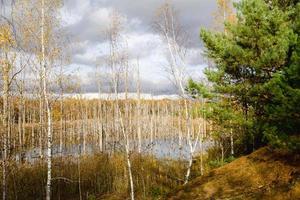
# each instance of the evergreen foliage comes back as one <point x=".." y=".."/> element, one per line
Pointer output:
<point x="257" y="68"/>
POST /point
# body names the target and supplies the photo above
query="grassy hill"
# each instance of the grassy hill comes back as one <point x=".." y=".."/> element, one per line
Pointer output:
<point x="264" y="174"/>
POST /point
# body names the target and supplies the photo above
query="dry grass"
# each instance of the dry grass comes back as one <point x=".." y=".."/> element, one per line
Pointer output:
<point x="102" y="176"/>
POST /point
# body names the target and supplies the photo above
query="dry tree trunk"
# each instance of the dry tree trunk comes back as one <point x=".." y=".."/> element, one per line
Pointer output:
<point x="201" y="150"/>
<point x="10" y="125"/>
<point x="179" y="127"/>
<point x="100" y="125"/>
<point x="32" y="121"/>
<point x="79" y="173"/>
<point x="23" y="119"/>
<point x="20" y="126"/>
<point x="85" y="129"/>
<point x="61" y="123"/>
<point x="5" y="76"/>
<point x="222" y="152"/>
<point x="152" y="121"/>
<point x="139" y="110"/>
<point x="41" y="116"/>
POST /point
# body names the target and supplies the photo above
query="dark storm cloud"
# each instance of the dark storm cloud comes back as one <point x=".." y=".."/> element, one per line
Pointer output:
<point x="87" y="20"/>
<point x="193" y="14"/>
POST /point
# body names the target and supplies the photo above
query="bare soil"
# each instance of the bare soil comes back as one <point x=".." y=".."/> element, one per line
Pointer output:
<point x="265" y="174"/>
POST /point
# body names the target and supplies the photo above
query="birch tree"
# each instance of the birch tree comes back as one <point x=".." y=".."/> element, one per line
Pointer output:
<point x="46" y="100"/>
<point x="47" y="56"/>
<point x="6" y="42"/>
<point x="115" y="56"/>
<point x="171" y="31"/>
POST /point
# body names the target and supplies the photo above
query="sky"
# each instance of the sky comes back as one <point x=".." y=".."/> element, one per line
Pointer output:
<point x="85" y="22"/>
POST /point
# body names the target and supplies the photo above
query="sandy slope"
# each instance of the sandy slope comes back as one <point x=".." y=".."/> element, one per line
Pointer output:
<point x="264" y="174"/>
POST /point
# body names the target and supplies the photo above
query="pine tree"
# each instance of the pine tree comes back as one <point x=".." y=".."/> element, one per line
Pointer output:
<point x="257" y="65"/>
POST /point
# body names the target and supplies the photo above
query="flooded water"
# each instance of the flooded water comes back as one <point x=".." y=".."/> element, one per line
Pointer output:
<point x="162" y="148"/>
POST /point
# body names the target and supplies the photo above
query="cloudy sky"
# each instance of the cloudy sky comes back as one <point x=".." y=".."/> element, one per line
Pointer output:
<point x="85" y="22"/>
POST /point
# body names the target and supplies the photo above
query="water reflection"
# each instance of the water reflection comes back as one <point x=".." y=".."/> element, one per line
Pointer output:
<point x="160" y="148"/>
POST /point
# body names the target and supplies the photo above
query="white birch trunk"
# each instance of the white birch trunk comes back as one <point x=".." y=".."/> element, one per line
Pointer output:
<point x="48" y="110"/>
<point x="231" y="143"/>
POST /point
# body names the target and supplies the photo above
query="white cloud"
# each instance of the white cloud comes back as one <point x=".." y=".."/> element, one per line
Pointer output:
<point x="99" y="16"/>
